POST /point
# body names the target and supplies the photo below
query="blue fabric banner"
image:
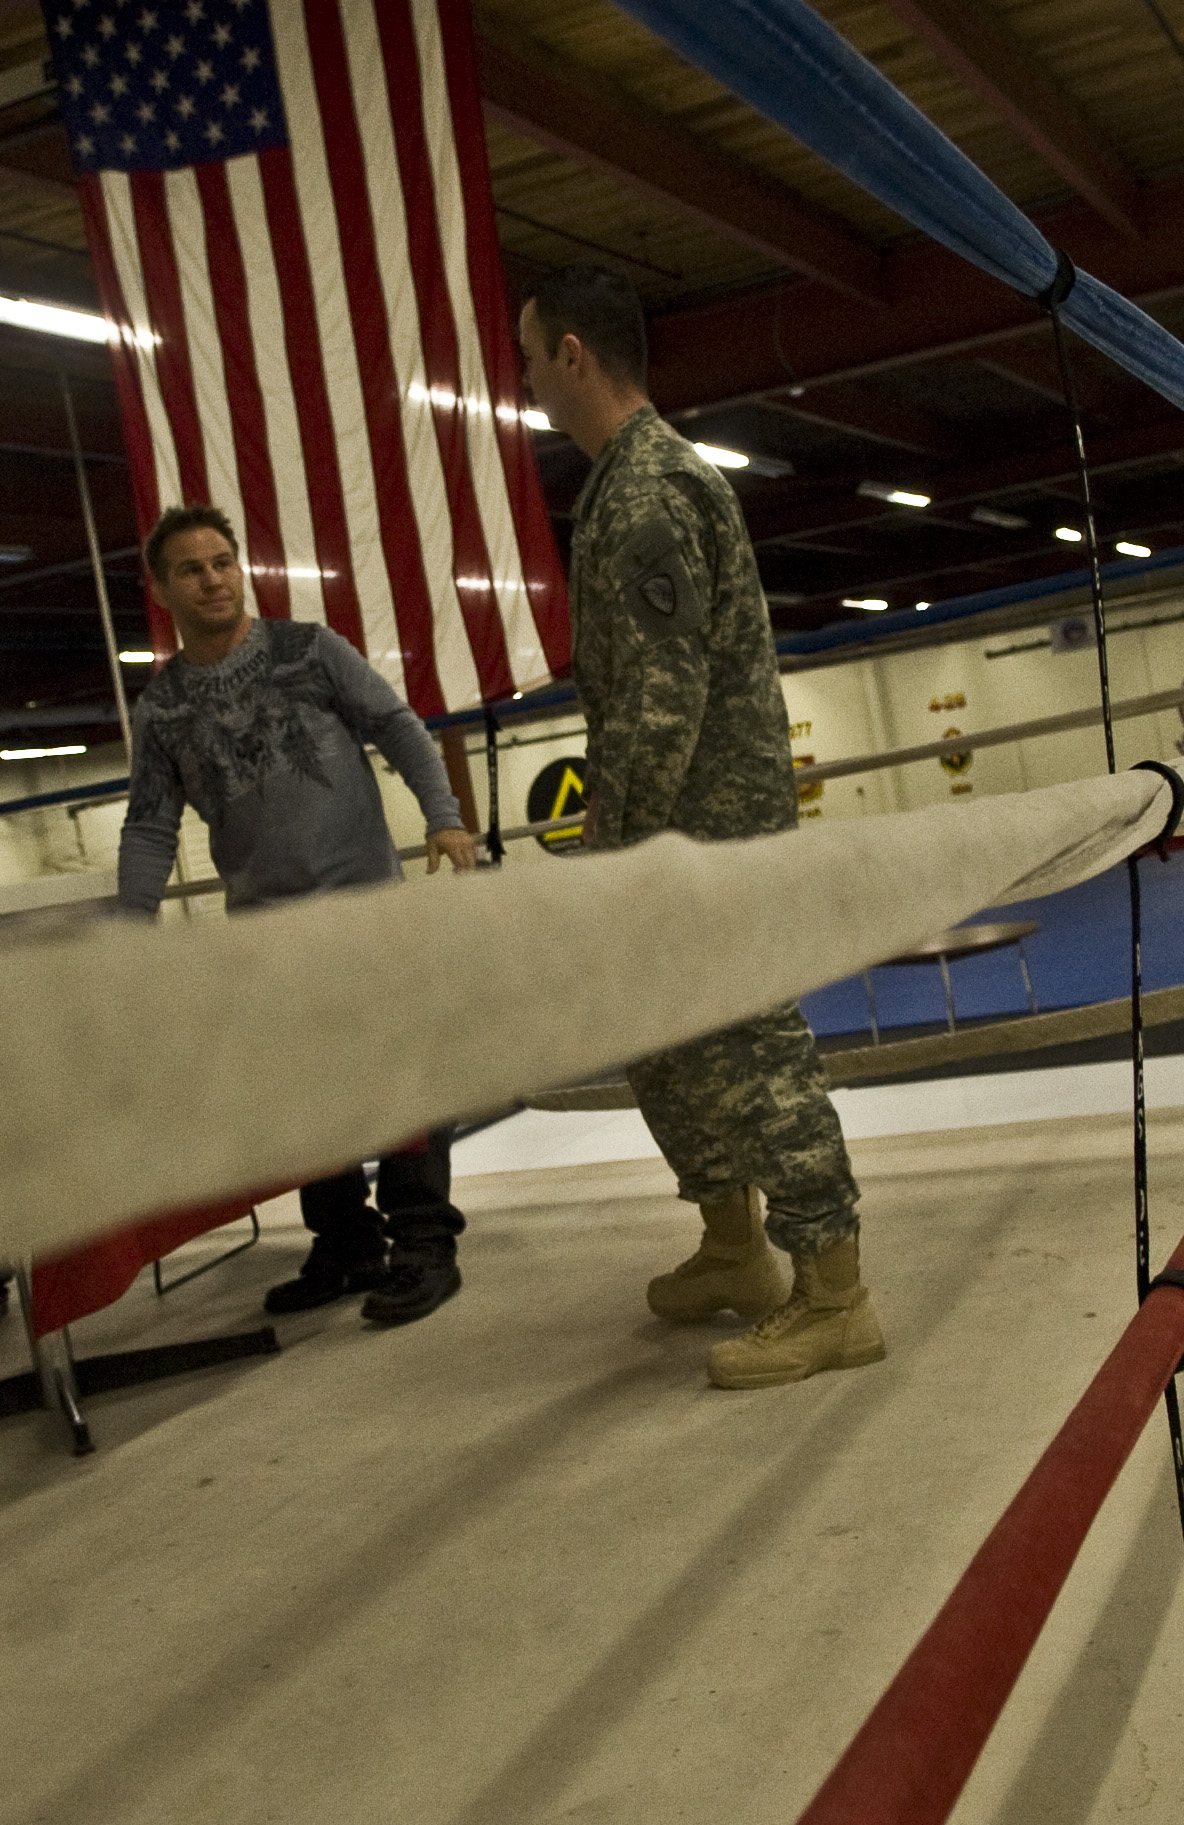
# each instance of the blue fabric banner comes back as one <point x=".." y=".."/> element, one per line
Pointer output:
<point x="795" y="69"/>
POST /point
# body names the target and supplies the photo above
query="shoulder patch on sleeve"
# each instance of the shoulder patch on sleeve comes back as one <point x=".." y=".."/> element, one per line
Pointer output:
<point x="657" y="587"/>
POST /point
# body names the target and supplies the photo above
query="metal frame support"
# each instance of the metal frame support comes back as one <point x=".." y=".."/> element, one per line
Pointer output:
<point x="96" y="563"/>
<point x="164" y="1286"/>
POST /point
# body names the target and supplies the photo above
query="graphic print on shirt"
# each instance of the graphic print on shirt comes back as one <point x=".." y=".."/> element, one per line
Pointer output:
<point x="233" y="730"/>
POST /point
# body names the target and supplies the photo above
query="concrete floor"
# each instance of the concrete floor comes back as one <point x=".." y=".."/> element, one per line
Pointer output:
<point x="520" y="1564"/>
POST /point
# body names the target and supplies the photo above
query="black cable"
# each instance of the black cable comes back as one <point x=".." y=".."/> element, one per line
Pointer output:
<point x="495" y="849"/>
<point x="1051" y="300"/>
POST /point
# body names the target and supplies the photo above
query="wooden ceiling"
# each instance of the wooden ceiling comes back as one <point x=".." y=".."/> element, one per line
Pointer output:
<point x="791" y="315"/>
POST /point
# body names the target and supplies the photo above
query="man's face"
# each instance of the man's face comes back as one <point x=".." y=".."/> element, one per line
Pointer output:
<point x="202" y="585"/>
<point x="551" y="380"/>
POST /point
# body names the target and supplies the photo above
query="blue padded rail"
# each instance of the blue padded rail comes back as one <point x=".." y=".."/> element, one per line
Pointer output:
<point x="795" y="69"/>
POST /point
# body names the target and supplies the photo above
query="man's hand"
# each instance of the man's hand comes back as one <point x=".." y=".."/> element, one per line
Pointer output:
<point x="457" y="845"/>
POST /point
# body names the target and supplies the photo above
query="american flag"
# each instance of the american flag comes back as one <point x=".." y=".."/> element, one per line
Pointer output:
<point x="290" y="215"/>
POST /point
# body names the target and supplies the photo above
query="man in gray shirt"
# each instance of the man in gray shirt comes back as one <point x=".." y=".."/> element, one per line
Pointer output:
<point x="261" y="726"/>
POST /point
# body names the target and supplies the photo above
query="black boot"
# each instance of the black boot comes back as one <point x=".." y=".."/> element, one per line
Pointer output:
<point x="327" y="1275"/>
<point x="422" y="1274"/>
<point x="422" y="1223"/>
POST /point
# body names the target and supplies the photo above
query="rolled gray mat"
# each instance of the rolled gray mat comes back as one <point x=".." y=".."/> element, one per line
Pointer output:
<point x="153" y="1068"/>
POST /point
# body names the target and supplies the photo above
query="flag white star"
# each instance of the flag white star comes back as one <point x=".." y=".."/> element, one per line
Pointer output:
<point x="79" y="4"/>
<point x="221" y="35"/>
<point x="90" y="56"/>
<point x="214" y="132"/>
<point x="76" y="86"/>
<point x="107" y="26"/>
<point x="134" y="54"/>
<point x="258" y="119"/>
<point x="195" y="11"/>
<point x="186" y="106"/>
<point x="172" y="140"/>
<point x="118" y="84"/>
<point x="250" y="58"/>
<point x="84" y="146"/>
<point x="230" y="95"/>
<point x="64" y="27"/>
<point x="240" y="6"/>
<point x="159" y="80"/>
<point x="127" y="145"/>
<point x="147" y="21"/>
<point x="174" y="45"/>
<point x="204" y="71"/>
<point x="146" y="111"/>
<point x="100" y="114"/>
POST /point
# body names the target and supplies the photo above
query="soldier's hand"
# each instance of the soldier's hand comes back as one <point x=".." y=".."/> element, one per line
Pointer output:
<point x="457" y="845"/>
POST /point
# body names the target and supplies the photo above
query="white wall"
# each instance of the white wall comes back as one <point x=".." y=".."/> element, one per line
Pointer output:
<point x="906" y="699"/>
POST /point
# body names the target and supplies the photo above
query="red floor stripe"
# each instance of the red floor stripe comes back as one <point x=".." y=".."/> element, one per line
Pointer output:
<point x="911" y="1759"/>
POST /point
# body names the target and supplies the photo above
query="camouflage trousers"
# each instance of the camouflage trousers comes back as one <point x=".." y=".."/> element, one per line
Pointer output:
<point x="749" y="1106"/>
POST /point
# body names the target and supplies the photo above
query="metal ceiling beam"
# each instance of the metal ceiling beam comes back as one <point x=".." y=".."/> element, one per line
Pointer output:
<point x="774" y="516"/>
<point x="983" y="54"/>
<point x="561" y="107"/>
<point x="768" y="338"/>
<point x="1018" y="376"/>
<point x="848" y="409"/>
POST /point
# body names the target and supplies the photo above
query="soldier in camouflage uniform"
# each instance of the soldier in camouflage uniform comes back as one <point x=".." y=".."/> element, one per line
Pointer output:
<point x="687" y="731"/>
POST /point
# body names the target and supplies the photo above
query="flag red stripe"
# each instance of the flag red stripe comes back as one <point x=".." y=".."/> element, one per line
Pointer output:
<point x="483" y="622"/>
<point x="318" y="440"/>
<point x="136" y="431"/>
<point x="546" y="588"/>
<point x="397" y="523"/>
<point x="228" y="287"/>
<point x="163" y="288"/>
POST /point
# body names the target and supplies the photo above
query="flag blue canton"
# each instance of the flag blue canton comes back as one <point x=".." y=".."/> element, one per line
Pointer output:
<point x="157" y="86"/>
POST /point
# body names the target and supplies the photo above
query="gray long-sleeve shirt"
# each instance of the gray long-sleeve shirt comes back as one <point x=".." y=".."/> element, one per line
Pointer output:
<point x="268" y="748"/>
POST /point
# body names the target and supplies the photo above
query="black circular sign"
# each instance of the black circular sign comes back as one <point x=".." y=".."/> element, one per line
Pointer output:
<point x="558" y="791"/>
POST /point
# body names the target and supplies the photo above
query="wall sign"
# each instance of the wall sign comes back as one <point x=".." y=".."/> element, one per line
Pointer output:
<point x="558" y="791"/>
<point x="957" y="763"/>
<point x="810" y="790"/>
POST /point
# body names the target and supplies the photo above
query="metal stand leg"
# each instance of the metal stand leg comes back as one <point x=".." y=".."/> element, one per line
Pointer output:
<point x="871" y="1006"/>
<point x="53" y="1382"/>
<point x="1031" y="994"/>
<point x="948" y="986"/>
<point x="58" y="1381"/>
<point x="166" y="1286"/>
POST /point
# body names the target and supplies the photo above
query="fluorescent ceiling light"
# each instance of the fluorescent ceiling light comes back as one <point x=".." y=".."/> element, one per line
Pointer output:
<point x="995" y="516"/>
<point x="288" y="570"/>
<point x="1070" y="535"/>
<point x="897" y="497"/>
<point x="37" y="753"/>
<point x="538" y="421"/>
<point x="922" y="606"/>
<point x="1132" y="551"/>
<point x="723" y="459"/>
<point x="54" y="320"/>
<point x="137" y="658"/>
<point x="872" y="603"/>
<point x="769" y="468"/>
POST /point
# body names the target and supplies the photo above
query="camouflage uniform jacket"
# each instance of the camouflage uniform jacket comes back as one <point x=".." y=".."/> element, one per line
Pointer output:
<point x="673" y="651"/>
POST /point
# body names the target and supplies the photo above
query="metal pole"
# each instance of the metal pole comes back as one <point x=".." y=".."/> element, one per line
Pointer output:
<point x="96" y="564"/>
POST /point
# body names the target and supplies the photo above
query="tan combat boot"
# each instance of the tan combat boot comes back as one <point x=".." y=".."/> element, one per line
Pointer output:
<point x="733" y="1267"/>
<point x="828" y="1323"/>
